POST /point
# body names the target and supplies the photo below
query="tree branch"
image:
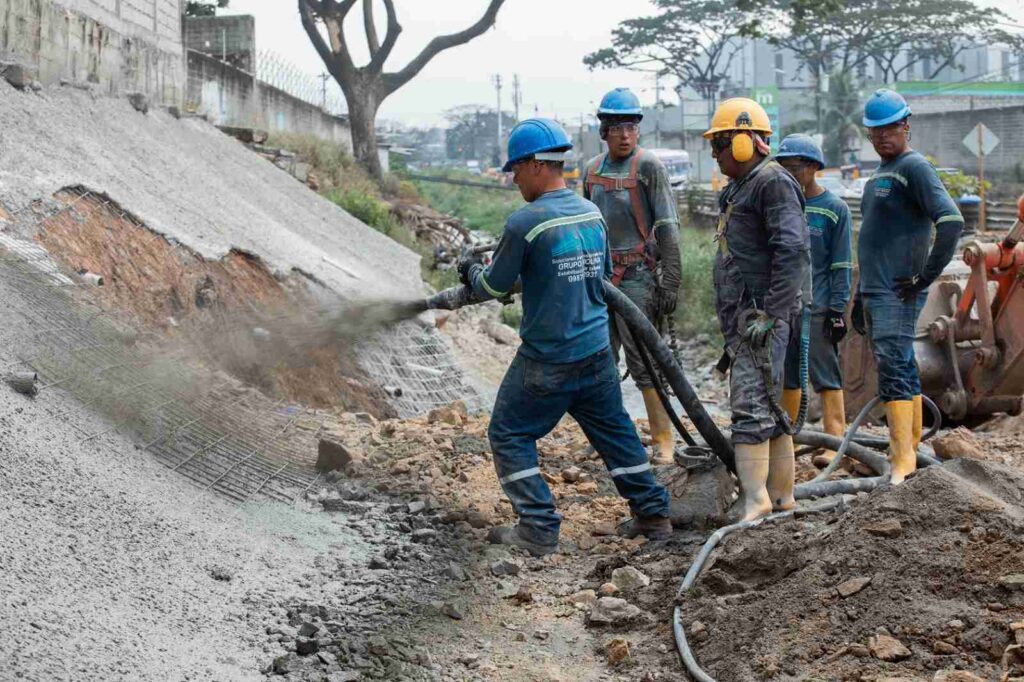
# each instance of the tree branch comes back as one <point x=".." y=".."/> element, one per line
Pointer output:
<point x="370" y="27"/>
<point x="393" y="81"/>
<point x="376" y="64"/>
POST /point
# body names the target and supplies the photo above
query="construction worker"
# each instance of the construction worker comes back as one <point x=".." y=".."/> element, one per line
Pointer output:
<point x="902" y="200"/>
<point x="761" y="263"/>
<point x="829" y="224"/>
<point x="557" y="247"/>
<point x="632" y="189"/>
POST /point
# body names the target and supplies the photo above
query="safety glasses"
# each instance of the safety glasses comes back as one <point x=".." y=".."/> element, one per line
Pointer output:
<point x="721" y="141"/>
<point x="623" y="128"/>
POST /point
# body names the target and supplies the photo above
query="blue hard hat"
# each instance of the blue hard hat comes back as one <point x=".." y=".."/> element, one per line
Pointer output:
<point x="802" y="146"/>
<point x="885" y="107"/>
<point x="533" y="137"/>
<point x="620" y="102"/>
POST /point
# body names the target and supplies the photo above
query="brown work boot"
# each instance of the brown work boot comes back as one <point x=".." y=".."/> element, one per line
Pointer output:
<point x="512" y="535"/>
<point x="651" y="527"/>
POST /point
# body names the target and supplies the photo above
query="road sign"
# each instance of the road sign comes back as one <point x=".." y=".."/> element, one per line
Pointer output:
<point x="981" y="140"/>
<point x="768" y="98"/>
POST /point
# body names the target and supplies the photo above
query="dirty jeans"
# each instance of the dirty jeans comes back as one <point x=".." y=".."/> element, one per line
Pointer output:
<point x="822" y="359"/>
<point x="638" y="285"/>
<point x="531" y="401"/>
<point x="891" y="324"/>
<point x="752" y="418"/>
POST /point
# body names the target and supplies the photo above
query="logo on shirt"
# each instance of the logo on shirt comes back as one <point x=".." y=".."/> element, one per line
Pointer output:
<point x="579" y="254"/>
<point x="883" y="187"/>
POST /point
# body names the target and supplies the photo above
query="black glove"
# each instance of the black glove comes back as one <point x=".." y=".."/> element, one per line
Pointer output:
<point x="835" y="326"/>
<point x="857" y="317"/>
<point x="465" y="265"/>
<point x="908" y="287"/>
<point x="665" y="300"/>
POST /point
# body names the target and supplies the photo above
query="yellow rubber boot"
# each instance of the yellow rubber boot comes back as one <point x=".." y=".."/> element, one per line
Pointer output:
<point x="902" y="458"/>
<point x="662" y="442"/>
<point x="752" y="470"/>
<point x="781" y="469"/>
<point x="791" y="402"/>
<point x="833" y="419"/>
<point x="918" y="426"/>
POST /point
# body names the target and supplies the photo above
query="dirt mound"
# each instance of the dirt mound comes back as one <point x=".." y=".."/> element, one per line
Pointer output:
<point x="930" y="564"/>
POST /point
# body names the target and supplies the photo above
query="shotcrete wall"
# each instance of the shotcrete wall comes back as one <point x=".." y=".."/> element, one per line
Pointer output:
<point x="117" y="45"/>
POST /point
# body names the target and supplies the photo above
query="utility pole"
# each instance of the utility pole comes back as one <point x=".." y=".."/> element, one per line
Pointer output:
<point x="497" y="88"/>
<point x="517" y="95"/>
<point x="657" y="110"/>
<point x="323" y="90"/>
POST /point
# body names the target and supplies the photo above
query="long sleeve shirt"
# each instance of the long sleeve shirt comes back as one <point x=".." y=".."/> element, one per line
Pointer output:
<point x="558" y="247"/>
<point x="902" y="201"/>
<point x="659" y="206"/>
<point x="828" y="220"/>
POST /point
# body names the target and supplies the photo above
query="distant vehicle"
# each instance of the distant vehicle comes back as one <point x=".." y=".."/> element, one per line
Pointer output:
<point x="571" y="172"/>
<point x="677" y="162"/>
<point x="831" y="183"/>
<point x="853" y="191"/>
<point x="473" y="167"/>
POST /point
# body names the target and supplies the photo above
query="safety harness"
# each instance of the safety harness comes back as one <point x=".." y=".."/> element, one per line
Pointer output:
<point x="646" y="251"/>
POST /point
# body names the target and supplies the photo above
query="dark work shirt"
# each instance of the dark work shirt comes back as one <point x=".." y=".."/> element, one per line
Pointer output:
<point x="828" y="220"/>
<point x="902" y="200"/>
<point x="558" y="246"/>
<point x="767" y="238"/>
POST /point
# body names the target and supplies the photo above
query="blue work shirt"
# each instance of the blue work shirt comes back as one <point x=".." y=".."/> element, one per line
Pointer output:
<point x="828" y="221"/>
<point x="902" y="200"/>
<point x="558" y="246"/>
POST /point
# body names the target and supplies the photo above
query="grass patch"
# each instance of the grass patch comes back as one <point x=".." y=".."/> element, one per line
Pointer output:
<point x="696" y="311"/>
<point x="480" y="209"/>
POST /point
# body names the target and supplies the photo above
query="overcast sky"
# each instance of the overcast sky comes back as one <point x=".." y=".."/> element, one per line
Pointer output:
<point x="544" y="41"/>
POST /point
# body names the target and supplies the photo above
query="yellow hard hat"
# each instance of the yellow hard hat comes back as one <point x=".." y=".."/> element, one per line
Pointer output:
<point x="739" y="113"/>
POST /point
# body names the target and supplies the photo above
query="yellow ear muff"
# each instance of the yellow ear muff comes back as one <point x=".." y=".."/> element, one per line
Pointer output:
<point x="742" y="147"/>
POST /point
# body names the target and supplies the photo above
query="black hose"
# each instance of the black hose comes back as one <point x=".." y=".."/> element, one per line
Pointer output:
<point x="659" y="388"/>
<point x="645" y="333"/>
<point x="820" y="440"/>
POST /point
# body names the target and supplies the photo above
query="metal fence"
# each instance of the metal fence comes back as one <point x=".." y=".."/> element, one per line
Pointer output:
<point x="321" y="91"/>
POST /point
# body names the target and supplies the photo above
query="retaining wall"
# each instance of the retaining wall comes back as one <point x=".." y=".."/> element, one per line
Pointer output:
<point x="118" y="45"/>
<point x="229" y="96"/>
<point x="941" y="134"/>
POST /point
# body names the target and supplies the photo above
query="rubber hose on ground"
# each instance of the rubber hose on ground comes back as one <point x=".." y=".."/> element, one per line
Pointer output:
<point x="645" y="333"/>
<point x="682" y="646"/>
<point x="850" y="433"/>
<point x="882" y="443"/>
<point x="876" y="461"/>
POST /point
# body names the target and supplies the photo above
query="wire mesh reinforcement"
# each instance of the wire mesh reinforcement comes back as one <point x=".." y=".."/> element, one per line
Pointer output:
<point x="201" y="423"/>
<point x="204" y="425"/>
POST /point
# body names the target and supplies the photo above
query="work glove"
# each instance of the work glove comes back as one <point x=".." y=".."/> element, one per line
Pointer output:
<point x="835" y="326"/>
<point x="665" y="300"/>
<point x="857" y="317"/>
<point x="466" y="267"/>
<point x="908" y="287"/>
<point x="759" y="329"/>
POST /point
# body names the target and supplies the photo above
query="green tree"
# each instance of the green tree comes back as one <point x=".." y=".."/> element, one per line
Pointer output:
<point x="365" y="87"/>
<point x="473" y="132"/>
<point x="204" y="8"/>
<point x="695" y="41"/>
<point x="933" y="31"/>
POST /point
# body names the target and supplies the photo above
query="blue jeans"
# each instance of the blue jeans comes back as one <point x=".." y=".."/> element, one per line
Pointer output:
<point x="531" y="401"/>
<point x="891" y="323"/>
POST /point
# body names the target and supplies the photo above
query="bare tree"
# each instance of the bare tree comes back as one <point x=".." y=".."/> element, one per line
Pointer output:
<point x="365" y="87"/>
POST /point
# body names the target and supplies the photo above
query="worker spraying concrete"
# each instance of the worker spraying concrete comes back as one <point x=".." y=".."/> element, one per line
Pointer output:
<point x="829" y="225"/>
<point x="760" y="267"/>
<point x="631" y="188"/>
<point x="902" y="201"/>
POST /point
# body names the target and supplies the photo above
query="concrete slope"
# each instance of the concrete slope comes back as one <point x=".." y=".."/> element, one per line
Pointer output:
<point x="192" y="183"/>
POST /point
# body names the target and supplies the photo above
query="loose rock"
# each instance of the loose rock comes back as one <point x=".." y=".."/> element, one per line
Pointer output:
<point x="852" y="586"/>
<point x="629" y="578"/>
<point x="617" y="651"/>
<point x="612" y="611"/>
<point x="960" y="442"/>
<point x="886" y="648"/>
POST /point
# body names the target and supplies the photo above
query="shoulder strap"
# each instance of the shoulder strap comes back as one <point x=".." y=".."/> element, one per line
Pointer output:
<point x="592" y="175"/>
<point x="636" y="198"/>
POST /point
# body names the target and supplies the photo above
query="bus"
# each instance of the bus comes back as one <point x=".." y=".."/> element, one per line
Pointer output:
<point x="677" y="162"/>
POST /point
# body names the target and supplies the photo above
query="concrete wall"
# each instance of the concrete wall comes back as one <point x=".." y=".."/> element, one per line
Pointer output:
<point x="118" y="45"/>
<point x="941" y="135"/>
<point x="231" y="39"/>
<point x="232" y="97"/>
